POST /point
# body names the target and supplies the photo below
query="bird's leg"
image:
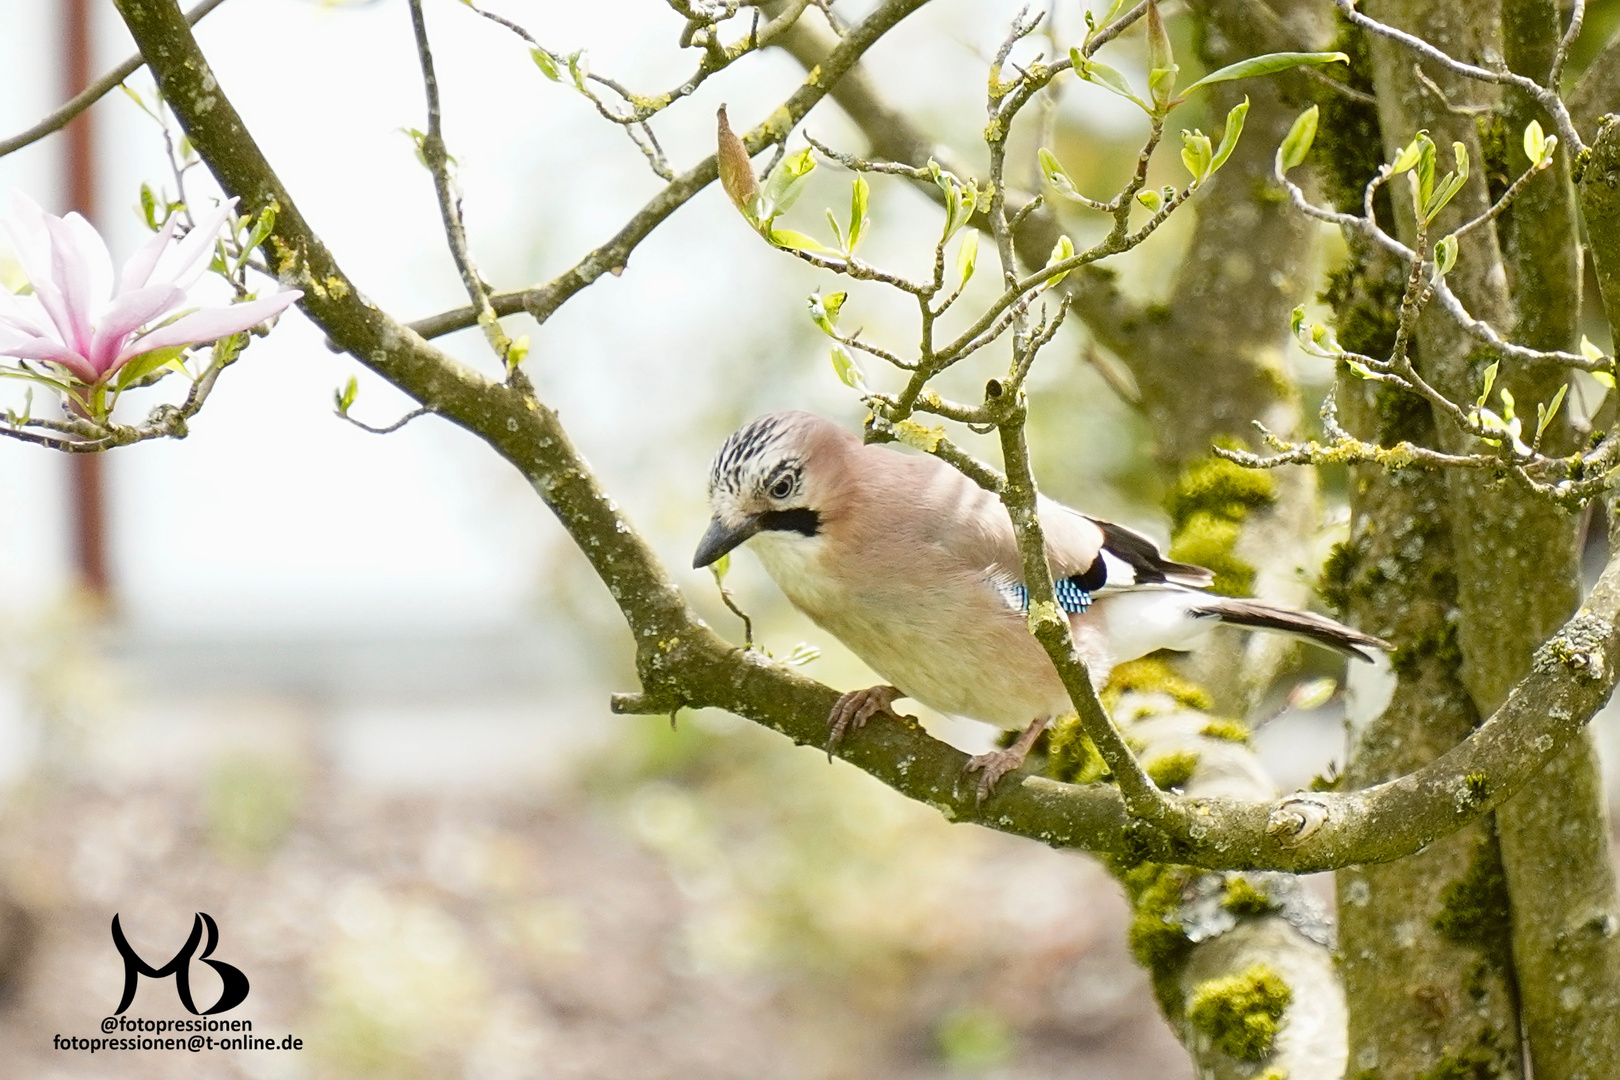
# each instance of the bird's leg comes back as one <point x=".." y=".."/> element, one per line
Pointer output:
<point x="993" y="766"/>
<point x="854" y="709"/>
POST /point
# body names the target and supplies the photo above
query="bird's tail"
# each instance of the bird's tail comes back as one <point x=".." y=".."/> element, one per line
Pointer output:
<point x="1306" y="624"/>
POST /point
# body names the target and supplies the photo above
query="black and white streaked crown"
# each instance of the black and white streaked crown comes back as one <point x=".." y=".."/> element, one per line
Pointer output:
<point x="750" y="453"/>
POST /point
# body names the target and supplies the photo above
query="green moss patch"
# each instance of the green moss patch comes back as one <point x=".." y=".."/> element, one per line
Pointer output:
<point x="1226" y="730"/>
<point x="1474" y="908"/>
<point x="1241" y="1013"/>
<point x="1157" y="940"/>
<point x="1172" y="769"/>
<point x="1207" y="506"/>
<point x="1242" y="897"/>
<point x="1152" y="674"/>
<point x="1071" y="756"/>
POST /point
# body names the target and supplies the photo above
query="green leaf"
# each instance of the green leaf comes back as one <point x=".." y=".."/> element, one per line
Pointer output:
<point x="1269" y="64"/>
<point x="845" y="368"/>
<point x="345" y="397"/>
<point x="785" y="184"/>
<point x="1150" y="199"/>
<point x="1545" y="413"/>
<point x="1407" y="158"/>
<point x="1296" y="320"/>
<point x="824" y="310"/>
<point x="139" y="367"/>
<point x="1589" y="350"/>
<point x="1196" y="154"/>
<point x="149" y="208"/>
<point x="1100" y="74"/>
<point x="721" y="567"/>
<point x="1063" y="249"/>
<point x="1229" y="139"/>
<point x="837" y="230"/>
<point x="1423" y="172"/>
<point x="1507" y="403"/>
<point x="1053" y="171"/>
<point x="859" y="194"/>
<point x="798" y="241"/>
<point x="1449" y="187"/>
<point x="802" y="653"/>
<point x="547" y="64"/>
<point x="577" y="69"/>
<point x="967" y="257"/>
<point x="1535" y="143"/>
<point x="517" y="351"/>
<point x="1490" y="381"/>
<point x="1162" y="86"/>
<point x="1604" y="378"/>
<point x="1297" y="143"/>
<point x="1445" y="255"/>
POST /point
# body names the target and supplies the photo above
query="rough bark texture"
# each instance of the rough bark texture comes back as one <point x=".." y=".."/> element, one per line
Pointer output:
<point x="1555" y="833"/>
<point x="1419" y="998"/>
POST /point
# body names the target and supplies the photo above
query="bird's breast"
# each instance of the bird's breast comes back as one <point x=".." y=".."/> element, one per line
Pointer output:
<point x="945" y="637"/>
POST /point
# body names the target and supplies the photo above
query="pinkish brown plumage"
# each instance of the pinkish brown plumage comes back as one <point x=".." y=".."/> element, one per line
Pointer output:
<point x="915" y="568"/>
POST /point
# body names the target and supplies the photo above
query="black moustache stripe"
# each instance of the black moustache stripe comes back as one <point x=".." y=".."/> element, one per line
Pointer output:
<point x="802" y="520"/>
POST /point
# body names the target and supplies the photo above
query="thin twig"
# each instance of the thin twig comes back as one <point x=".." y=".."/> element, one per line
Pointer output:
<point x="438" y="162"/>
<point x="93" y="93"/>
<point x="391" y="428"/>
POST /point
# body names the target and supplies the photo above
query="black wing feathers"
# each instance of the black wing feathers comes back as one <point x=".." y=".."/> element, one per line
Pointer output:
<point x="1143" y="557"/>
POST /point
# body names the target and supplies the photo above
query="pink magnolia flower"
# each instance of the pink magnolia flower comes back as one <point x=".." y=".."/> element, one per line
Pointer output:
<point x="76" y="319"/>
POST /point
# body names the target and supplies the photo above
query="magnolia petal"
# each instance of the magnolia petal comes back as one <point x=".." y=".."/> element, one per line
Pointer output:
<point x="70" y="272"/>
<point x="30" y="238"/>
<point x="210" y="324"/>
<point x="128" y="314"/>
<point x="185" y="262"/>
<point x="138" y="270"/>
<point x="24" y="226"/>
<point x="25" y="314"/>
<point x="89" y="245"/>
<point x="44" y="348"/>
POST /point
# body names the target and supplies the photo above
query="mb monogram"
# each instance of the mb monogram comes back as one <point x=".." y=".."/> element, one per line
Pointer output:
<point x="235" y="989"/>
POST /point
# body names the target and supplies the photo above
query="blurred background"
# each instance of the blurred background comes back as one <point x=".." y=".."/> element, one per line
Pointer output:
<point x="348" y="693"/>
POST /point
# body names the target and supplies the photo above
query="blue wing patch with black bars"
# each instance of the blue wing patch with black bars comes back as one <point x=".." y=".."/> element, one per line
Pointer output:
<point x="1070" y="596"/>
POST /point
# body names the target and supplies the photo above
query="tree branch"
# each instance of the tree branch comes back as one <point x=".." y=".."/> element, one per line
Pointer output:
<point x="93" y="93"/>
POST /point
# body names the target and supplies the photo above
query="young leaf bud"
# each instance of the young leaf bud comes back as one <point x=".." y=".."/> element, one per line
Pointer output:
<point x="1064" y="249"/>
<point x="1534" y="142"/>
<point x="1196" y="154"/>
<point x="1161" y="60"/>
<point x="1297" y="143"/>
<point x="737" y="172"/>
<point x="848" y="373"/>
<point x="967" y="256"/>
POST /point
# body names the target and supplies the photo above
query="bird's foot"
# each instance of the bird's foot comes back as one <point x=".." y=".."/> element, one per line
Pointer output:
<point x="854" y="709"/>
<point x="993" y="766"/>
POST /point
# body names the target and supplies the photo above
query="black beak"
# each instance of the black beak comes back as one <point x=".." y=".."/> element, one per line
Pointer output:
<point x="721" y="539"/>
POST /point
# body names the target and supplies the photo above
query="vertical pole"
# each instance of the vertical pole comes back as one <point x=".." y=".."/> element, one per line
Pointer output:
<point x="87" y="503"/>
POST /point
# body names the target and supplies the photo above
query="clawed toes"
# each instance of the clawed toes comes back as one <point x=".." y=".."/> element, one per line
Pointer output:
<point x="991" y="768"/>
<point x="854" y="709"/>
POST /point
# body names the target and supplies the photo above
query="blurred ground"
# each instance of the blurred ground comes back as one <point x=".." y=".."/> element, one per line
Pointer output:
<point x="707" y="902"/>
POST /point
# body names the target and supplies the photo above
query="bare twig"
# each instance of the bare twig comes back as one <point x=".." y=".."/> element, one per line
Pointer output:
<point x="93" y="93"/>
<point x="389" y="429"/>
<point x="438" y="162"/>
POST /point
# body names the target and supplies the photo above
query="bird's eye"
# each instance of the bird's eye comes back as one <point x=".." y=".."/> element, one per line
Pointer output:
<point x="782" y="488"/>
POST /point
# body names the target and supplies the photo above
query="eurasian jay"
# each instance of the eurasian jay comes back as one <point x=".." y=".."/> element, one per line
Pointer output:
<point x="915" y="568"/>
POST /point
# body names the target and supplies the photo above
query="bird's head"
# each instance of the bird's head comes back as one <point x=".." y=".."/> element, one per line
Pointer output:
<point x="770" y="477"/>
